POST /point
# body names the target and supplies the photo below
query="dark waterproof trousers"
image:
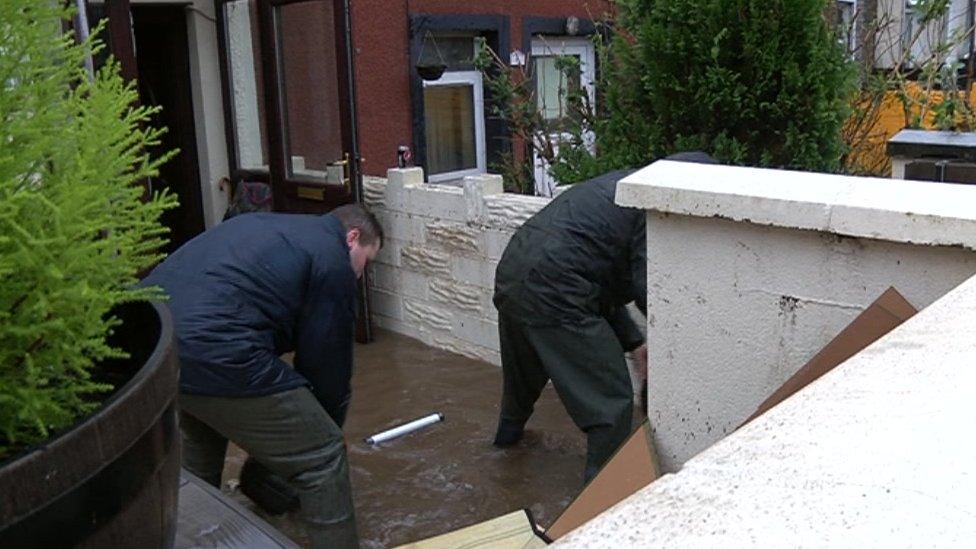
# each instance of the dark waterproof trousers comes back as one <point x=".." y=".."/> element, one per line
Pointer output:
<point x="586" y="364"/>
<point x="290" y="434"/>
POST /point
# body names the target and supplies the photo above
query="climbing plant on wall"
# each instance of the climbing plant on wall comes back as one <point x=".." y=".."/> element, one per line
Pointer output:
<point x="924" y="83"/>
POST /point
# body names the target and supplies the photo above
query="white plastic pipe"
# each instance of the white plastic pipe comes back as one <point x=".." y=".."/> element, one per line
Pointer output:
<point x="406" y="428"/>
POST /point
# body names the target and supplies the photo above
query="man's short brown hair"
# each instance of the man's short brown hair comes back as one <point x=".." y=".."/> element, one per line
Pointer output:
<point x="354" y="216"/>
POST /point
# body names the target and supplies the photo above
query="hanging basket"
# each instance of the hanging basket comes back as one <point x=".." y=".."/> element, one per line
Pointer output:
<point x="431" y="72"/>
<point x="430" y="69"/>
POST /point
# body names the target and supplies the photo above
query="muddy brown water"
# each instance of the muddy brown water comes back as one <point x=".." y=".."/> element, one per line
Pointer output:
<point x="449" y="475"/>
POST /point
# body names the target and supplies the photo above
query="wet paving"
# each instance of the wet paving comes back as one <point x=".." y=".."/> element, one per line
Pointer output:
<point x="448" y="475"/>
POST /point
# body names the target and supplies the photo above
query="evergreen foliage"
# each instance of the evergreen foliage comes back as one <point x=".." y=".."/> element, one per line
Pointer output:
<point x="75" y="228"/>
<point x="751" y="82"/>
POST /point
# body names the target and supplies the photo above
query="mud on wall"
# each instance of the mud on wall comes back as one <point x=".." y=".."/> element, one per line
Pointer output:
<point x="433" y="279"/>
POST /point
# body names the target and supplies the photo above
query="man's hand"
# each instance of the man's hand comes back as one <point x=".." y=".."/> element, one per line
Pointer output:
<point x="640" y="362"/>
<point x="640" y="365"/>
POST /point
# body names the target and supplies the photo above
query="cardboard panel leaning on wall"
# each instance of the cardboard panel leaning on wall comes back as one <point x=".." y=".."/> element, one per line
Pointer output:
<point x="886" y="313"/>
<point x="875" y="453"/>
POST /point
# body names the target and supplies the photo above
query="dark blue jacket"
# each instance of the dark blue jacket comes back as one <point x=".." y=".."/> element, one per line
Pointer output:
<point x="255" y="287"/>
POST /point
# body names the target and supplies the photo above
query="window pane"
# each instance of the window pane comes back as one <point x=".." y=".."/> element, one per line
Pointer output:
<point x="449" y="119"/>
<point x="313" y="140"/>
<point x="247" y="97"/>
<point x="845" y="24"/>
<point x="552" y="87"/>
<point x="457" y="51"/>
<point x="923" y="39"/>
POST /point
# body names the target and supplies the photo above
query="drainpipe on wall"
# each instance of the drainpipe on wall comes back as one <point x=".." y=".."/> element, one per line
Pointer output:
<point x="354" y="123"/>
<point x="364" y="303"/>
<point x="81" y="31"/>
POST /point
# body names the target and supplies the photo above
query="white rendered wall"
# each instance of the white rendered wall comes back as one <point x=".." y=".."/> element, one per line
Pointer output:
<point x="751" y="272"/>
<point x="208" y="108"/>
<point x="736" y="309"/>
<point x="876" y="453"/>
<point x="240" y="53"/>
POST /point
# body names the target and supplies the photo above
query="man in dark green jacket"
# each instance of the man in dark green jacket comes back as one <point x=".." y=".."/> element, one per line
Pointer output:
<point x="561" y="289"/>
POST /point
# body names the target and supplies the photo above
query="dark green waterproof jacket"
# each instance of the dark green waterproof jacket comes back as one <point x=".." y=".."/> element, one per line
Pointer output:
<point x="581" y="256"/>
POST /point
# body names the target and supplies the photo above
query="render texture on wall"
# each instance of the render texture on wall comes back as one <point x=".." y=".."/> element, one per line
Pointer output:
<point x="433" y="279"/>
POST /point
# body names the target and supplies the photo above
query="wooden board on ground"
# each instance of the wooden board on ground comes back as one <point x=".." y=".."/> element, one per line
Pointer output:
<point x="512" y="531"/>
<point x="207" y="518"/>
<point x="887" y="313"/>
<point x="631" y="468"/>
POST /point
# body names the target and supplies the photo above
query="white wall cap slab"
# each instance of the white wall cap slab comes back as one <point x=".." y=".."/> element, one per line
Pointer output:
<point x="896" y="210"/>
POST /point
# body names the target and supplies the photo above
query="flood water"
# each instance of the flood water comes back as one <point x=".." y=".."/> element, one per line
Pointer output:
<point x="448" y="475"/>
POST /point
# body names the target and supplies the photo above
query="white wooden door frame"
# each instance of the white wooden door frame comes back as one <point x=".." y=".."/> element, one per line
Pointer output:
<point x="552" y="46"/>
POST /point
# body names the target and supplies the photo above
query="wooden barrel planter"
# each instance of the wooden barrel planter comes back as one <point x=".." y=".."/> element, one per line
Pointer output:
<point x="112" y="480"/>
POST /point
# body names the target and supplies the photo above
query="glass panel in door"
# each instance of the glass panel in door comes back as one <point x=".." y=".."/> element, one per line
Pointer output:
<point x="309" y="83"/>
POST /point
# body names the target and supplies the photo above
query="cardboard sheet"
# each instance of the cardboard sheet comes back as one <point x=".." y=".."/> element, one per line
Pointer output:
<point x="631" y="468"/>
<point x="887" y="313"/>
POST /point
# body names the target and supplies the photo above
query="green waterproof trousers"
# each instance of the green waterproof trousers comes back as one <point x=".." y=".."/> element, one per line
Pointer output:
<point x="290" y="434"/>
<point x="586" y="364"/>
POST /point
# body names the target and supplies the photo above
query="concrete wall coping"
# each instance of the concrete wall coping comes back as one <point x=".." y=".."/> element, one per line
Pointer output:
<point x="884" y="209"/>
<point x="875" y="453"/>
<point x="919" y="143"/>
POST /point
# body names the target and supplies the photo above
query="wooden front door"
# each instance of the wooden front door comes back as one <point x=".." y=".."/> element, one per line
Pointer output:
<point x="288" y="103"/>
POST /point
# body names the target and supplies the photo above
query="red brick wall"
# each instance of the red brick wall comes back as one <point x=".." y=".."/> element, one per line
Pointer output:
<point x="382" y="65"/>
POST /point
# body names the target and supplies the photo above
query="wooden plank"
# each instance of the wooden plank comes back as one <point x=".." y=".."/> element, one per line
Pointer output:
<point x="209" y="519"/>
<point x="511" y="531"/>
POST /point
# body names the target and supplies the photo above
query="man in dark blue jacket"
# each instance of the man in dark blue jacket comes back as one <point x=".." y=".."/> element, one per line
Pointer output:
<point x="242" y="294"/>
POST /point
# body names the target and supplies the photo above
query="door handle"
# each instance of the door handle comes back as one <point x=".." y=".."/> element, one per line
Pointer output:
<point x="340" y="173"/>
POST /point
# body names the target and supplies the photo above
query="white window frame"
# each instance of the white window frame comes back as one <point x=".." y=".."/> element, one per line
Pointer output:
<point x="554" y="46"/>
<point x="475" y="80"/>
<point x="851" y="44"/>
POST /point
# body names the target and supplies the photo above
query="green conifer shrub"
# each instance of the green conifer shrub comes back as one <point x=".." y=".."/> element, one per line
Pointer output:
<point x="754" y="82"/>
<point x="751" y="82"/>
<point x="75" y="227"/>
